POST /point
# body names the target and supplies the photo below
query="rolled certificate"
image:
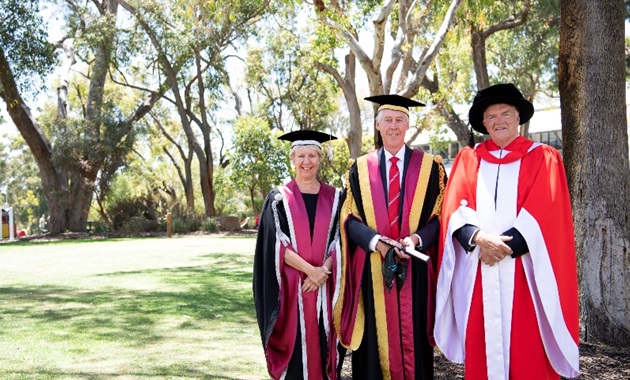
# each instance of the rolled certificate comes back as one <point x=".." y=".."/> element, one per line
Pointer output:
<point x="403" y="248"/>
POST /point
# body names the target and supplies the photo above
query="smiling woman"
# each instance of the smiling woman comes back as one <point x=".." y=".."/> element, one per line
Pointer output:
<point x="295" y="268"/>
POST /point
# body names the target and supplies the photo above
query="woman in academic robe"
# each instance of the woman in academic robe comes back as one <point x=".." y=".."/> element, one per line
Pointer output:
<point x="295" y="268"/>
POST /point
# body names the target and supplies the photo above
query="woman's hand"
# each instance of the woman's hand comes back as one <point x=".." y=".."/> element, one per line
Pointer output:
<point x="316" y="278"/>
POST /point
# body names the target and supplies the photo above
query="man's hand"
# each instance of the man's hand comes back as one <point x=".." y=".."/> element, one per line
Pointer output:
<point x="492" y="247"/>
<point x="383" y="248"/>
<point x="410" y="242"/>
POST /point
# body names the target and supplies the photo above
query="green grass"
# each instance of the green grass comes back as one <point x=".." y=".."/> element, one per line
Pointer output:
<point x="160" y="308"/>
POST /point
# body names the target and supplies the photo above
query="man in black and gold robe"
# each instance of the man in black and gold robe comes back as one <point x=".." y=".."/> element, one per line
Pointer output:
<point x="388" y="324"/>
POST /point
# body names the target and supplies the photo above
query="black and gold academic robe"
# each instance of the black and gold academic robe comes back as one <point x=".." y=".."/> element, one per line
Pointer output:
<point x="389" y="331"/>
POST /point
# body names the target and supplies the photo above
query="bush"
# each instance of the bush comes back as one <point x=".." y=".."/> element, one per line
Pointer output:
<point x="133" y="215"/>
<point x="100" y="227"/>
<point x="187" y="223"/>
<point x="139" y="224"/>
<point x="209" y="225"/>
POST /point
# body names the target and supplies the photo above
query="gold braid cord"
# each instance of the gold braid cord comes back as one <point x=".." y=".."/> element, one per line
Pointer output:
<point x="437" y="209"/>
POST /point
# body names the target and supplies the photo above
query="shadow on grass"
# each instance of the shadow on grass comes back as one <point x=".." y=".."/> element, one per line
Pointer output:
<point x="186" y="373"/>
<point x="219" y="292"/>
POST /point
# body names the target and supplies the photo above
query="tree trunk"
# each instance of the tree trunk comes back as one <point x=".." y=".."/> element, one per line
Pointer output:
<point x="355" y="134"/>
<point x="347" y="84"/>
<point x="206" y="175"/>
<point x="478" y="44"/>
<point x="54" y="182"/>
<point x="591" y="70"/>
<point x="456" y="124"/>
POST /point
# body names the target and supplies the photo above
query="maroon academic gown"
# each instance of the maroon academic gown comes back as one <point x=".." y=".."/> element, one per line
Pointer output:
<point x="296" y="327"/>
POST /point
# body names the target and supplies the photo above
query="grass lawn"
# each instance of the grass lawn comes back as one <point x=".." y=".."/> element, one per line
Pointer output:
<point x="152" y="308"/>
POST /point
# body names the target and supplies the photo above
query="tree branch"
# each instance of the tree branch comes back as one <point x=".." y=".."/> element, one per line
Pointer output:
<point x="510" y="22"/>
<point x="414" y="85"/>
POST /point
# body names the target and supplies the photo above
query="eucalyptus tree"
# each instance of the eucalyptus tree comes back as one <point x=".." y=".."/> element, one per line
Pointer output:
<point x="417" y="28"/>
<point x="487" y="41"/>
<point x="25" y="55"/>
<point x="496" y="42"/>
<point x="594" y="125"/>
<point x="82" y="143"/>
<point x="281" y="77"/>
<point x="188" y="41"/>
<point x="179" y="152"/>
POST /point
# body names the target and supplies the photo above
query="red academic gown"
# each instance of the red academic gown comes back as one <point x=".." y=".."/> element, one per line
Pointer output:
<point x="388" y="330"/>
<point x="519" y="318"/>
<point x="296" y="327"/>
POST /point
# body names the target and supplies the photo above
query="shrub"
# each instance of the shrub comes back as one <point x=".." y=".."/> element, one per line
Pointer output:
<point x="133" y="215"/>
<point x="209" y="225"/>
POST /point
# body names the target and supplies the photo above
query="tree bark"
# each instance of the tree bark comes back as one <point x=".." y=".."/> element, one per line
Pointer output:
<point x="591" y="70"/>
<point x="347" y="84"/>
<point x="82" y="183"/>
<point x="478" y="42"/>
<point x="54" y="182"/>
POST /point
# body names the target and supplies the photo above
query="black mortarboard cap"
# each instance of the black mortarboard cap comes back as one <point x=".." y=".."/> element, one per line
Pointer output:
<point x="306" y="137"/>
<point x="503" y="93"/>
<point x="394" y="102"/>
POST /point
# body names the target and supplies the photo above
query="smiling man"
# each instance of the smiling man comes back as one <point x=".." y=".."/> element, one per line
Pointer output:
<point x="507" y="302"/>
<point x="383" y="312"/>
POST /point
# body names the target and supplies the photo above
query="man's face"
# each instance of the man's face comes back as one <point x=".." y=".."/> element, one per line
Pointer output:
<point x="501" y="121"/>
<point x="392" y="126"/>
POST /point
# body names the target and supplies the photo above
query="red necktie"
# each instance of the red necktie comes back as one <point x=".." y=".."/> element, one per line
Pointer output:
<point x="393" y="202"/>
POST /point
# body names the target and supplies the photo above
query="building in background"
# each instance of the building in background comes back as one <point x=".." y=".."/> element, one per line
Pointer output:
<point x="545" y="127"/>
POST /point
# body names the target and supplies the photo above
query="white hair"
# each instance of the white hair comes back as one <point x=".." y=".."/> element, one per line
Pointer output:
<point x="379" y="115"/>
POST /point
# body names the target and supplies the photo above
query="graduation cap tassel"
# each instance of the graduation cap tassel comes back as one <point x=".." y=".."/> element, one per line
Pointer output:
<point x="471" y="139"/>
<point x="330" y="151"/>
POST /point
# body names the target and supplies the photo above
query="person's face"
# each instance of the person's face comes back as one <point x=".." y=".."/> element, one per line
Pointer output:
<point x="306" y="162"/>
<point x="392" y="125"/>
<point x="501" y="121"/>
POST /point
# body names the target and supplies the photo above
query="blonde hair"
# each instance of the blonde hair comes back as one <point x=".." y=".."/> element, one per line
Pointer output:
<point x="301" y="148"/>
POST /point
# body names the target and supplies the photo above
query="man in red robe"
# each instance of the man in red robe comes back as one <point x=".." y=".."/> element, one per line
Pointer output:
<point x="386" y="322"/>
<point x="506" y="302"/>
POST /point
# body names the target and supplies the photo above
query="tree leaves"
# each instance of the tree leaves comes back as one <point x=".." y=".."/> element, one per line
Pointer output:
<point x="23" y="39"/>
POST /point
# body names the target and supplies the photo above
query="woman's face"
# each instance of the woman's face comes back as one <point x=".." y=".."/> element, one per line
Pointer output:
<point x="306" y="161"/>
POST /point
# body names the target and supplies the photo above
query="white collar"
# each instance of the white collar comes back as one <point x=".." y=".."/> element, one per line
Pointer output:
<point x="400" y="154"/>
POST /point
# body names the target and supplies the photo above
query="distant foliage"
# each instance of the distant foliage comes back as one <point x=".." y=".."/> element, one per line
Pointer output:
<point x="24" y="41"/>
<point x="20" y="180"/>
<point x="259" y="160"/>
<point x="133" y="215"/>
